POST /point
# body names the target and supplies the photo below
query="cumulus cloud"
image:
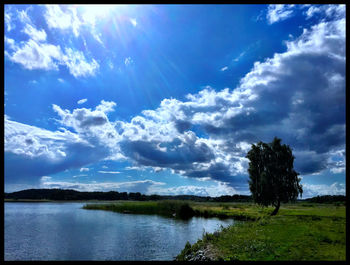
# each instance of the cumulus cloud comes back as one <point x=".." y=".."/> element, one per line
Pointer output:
<point x="35" y="34"/>
<point x="312" y="190"/>
<point x="93" y="126"/>
<point x="108" y="172"/>
<point x="330" y="11"/>
<point x="11" y="43"/>
<point x="215" y="190"/>
<point x="84" y="169"/>
<point x="58" y="19"/>
<point x="43" y="152"/>
<point x="279" y="12"/>
<point x="23" y="16"/>
<point x="276" y="98"/>
<point x="78" y="65"/>
<point x="297" y="95"/>
<point x="142" y="186"/>
<point x="8" y="21"/>
<point x="36" y="55"/>
<point x="82" y="119"/>
<point x="66" y="18"/>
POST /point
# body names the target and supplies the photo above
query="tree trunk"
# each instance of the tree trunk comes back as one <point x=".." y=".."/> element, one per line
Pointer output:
<point x="276" y="209"/>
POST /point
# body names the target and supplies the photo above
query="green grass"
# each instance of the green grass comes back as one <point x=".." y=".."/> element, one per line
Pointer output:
<point x="300" y="231"/>
<point x="168" y="208"/>
<point x="185" y="209"/>
<point x="297" y="232"/>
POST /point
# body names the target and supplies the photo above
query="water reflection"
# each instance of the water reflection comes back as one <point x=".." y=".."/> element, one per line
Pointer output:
<point x="64" y="231"/>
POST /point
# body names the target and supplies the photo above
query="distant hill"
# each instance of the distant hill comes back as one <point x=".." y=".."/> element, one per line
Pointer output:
<point x="70" y="195"/>
<point x="67" y="195"/>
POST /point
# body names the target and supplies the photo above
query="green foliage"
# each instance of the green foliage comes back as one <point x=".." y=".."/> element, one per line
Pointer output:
<point x="185" y="252"/>
<point x="313" y="233"/>
<point x="69" y="195"/>
<point x="168" y="208"/>
<point x="272" y="177"/>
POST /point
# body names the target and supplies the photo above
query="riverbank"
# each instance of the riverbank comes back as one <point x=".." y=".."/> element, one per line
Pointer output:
<point x="304" y="231"/>
<point x="185" y="209"/>
<point x="57" y="201"/>
<point x="300" y="231"/>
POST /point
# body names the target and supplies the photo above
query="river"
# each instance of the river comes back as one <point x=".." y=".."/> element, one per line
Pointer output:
<point x="65" y="231"/>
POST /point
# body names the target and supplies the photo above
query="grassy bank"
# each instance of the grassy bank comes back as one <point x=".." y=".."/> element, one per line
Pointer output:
<point x="185" y="209"/>
<point x="303" y="231"/>
<point x="179" y="209"/>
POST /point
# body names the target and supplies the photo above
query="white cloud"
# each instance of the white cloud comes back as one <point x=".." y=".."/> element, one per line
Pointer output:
<point x="213" y="191"/>
<point x="111" y="65"/>
<point x="34" y="34"/>
<point x="240" y="55"/>
<point x="142" y="186"/>
<point x="84" y="169"/>
<point x="60" y="80"/>
<point x="82" y="101"/>
<point x="109" y="172"/>
<point x="312" y="190"/>
<point x="330" y="11"/>
<point x="34" y="55"/>
<point x="45" y="178"/>
<point x="106" y="106"/>
<point x="41" y="152"/>
<point x="94" y="126"/>
<point x="57" y="18"/>
<point x="128" y="61"/>
<point x="23" y="16"/>
<point x="11" y="43"/>
<point x="279" y="12"/>
<point x="224" y="68"/>
<point x="66" y="18"/>
<point x="276" y="98"/>
<point x="133" y="21"/>
<point x="8" y="21"/>
<point x="78" y="65"/>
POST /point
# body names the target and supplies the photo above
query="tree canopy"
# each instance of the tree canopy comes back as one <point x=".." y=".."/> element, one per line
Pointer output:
<point x="272" y="178"/>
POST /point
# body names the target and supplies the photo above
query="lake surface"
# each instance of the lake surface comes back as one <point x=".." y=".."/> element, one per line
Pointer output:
<point x="64" y="231"/>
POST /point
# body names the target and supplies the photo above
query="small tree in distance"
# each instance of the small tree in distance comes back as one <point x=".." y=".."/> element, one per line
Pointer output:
<point x="272" y="179"/>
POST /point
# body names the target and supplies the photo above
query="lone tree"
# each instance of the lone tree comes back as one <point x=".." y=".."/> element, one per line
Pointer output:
<point x="272" y="177"/>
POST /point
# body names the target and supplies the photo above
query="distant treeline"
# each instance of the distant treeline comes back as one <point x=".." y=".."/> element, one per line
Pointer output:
<point x="67" y="195"/>
<point x="327" y="199"/>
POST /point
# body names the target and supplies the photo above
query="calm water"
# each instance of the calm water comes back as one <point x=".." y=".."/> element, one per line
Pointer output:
<point x="64" y="231"/>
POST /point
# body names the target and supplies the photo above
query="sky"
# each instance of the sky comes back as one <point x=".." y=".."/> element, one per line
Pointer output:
<point x="168" y="99"/>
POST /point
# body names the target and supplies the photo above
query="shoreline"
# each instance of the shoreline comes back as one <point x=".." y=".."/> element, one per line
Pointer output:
<point x="60" y="201"/>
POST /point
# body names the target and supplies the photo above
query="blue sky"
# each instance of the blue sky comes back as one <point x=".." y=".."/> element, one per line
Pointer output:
<point x="167" y="99"/>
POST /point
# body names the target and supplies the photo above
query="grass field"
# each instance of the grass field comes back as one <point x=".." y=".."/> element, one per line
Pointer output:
<point x="179" y="209"/>
<point x="300" y="231"/>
